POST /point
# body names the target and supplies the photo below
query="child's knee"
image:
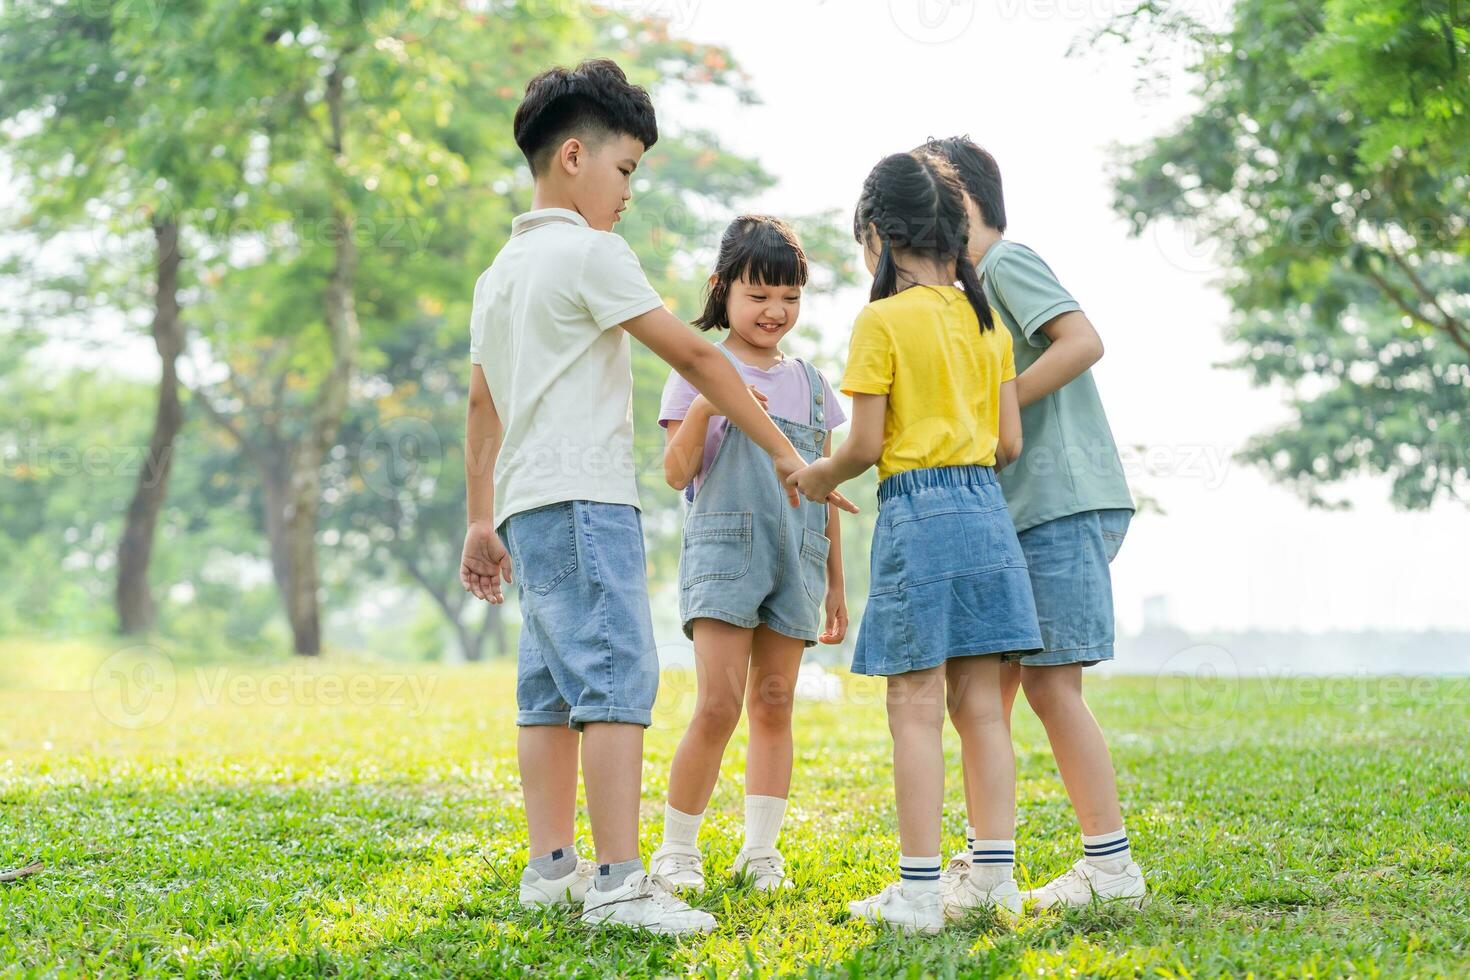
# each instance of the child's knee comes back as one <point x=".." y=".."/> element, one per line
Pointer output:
<point x="770" y="710"/>
<point x="1049" y="693"/>
<point x="717" y="716"/>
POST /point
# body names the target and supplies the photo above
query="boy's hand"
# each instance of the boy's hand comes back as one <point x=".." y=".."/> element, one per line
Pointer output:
<point x="836" y="607"/>
<point x="484" y="563"/>
<point x="816" y="483"/>
<point x="789" y="468"/>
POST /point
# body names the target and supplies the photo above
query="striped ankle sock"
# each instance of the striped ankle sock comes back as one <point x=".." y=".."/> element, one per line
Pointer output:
<point x="992" y="862"/>
<point x="919" y="874"/>
<point x="1107" y="852"/>
<point x="969" y="838"/>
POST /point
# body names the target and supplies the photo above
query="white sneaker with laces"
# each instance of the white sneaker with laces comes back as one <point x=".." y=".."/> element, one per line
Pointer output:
<point x="681" y="865"/>
<point x="648" y="902"/>
<point x="1086" y="884"/>
<point x="566" y="890"/>
<point x="765" y="865"/>
<point x="913" y="912"/>
<point x="963" y="896"/>
<point x="958" y="870"/>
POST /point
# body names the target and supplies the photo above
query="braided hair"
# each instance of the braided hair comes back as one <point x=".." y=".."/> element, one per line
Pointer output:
<point x="916" y="204"/>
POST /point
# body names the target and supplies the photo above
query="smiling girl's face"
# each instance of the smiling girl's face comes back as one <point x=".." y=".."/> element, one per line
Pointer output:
<point x="761" y="315"/>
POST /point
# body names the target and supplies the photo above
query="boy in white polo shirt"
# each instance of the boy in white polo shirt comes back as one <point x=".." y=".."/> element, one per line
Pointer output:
<point x="553" y="501"/>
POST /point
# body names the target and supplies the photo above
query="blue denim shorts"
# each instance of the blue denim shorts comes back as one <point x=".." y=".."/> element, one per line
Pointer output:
<point x="1068" y="558"/>
<point x="586" y="650"/>
<point x="948" y="578"/>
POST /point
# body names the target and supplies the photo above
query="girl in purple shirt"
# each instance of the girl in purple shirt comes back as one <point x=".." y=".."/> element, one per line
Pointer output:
<point x="759" y="581"/>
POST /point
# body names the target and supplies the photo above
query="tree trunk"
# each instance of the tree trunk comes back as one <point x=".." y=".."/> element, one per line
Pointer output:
<point x="135" y="608"/>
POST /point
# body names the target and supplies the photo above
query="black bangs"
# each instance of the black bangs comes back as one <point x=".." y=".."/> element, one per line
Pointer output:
<point x="756" y="248"/>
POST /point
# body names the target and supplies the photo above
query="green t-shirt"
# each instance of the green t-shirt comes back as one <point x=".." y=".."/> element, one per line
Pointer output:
<point x="1069" y="463"/>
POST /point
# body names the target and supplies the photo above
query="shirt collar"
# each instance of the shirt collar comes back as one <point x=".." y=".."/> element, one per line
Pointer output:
<point x="545" y="216"/>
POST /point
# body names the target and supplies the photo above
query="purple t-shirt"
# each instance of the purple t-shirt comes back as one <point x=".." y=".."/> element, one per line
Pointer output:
<point x="788" y="395"/>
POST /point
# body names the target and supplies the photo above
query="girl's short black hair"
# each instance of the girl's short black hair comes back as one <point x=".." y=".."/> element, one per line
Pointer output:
<point x="915" y="203"/>
<point x="591" y="102"/>
<point x="978" y="172"/>
<point x="756" y="248"/>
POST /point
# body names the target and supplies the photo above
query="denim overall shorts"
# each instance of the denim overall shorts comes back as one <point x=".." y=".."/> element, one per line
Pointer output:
<point x="748" y="556"/>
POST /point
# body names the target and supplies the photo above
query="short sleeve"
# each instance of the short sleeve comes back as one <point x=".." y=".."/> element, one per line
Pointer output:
<point x="1007" y="357"/>
<point x="834" y="414"/>
<point x="1030" y="292"/>
<point x="477" y="324"/>
<point x="869" y="356"/>
<point x="678" y="396"/>
<point x="611" y="283"/>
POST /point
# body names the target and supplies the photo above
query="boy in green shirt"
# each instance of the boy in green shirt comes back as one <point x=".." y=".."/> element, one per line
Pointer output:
<point x="1071" y="506"/>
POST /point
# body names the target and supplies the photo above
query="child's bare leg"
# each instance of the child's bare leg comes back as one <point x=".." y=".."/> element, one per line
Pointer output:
<point x="1010" y="683"/>
<point x="916" y="721"/>
<point x="977" y="708"/>
<point x="722" y="659"/>
<point x="612" y="764"/>
<point x="1055" y="694"/>
<point x="548" y="761"/>
<point x="775" y="660"/>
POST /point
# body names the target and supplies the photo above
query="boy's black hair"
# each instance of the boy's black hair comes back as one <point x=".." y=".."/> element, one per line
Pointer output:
<point x="592" y="101"/>
<point x="917" y="205"/>
<point x="757" y="248"/>
<point x="979" y="173"/>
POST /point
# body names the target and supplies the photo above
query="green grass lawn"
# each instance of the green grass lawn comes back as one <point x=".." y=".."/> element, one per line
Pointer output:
<point x="282" y="819"/>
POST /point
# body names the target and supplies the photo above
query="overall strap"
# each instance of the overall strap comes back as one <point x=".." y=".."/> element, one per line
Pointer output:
<point x="814" y="380"/>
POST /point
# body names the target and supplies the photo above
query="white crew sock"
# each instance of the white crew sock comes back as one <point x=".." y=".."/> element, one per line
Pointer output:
<point x="991" y="862"/>
<point x="763" y="815"/>
<point x="1107" y="852"/>
<point x="680" y="827"/>
<point x="919" y="874"/>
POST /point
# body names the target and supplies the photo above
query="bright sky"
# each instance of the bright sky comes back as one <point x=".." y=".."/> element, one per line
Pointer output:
<point x="845" y="83"/>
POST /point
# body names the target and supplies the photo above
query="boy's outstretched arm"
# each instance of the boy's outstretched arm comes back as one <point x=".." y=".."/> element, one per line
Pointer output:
<point x="1075" y="347"/>
<point x="860" y="450"/>
<point x="485" y="561"/>
<point x="716" y="378"/>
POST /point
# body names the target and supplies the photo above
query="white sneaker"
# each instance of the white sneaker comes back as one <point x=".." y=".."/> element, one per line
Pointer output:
<point x="958" y="870"/>
<point x="917" y="912"/>
<point x="566" y="890"/>
<point x="645" y="901"/>
<point x="963" y="896"/>
<point x="681" y="865"/>
<point x="1086" y="884"/>
<point x="765" y="865"/>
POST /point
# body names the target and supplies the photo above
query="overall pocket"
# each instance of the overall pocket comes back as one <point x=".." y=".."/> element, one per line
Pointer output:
<point x="716" y="546"/>
<point x="543" y="543"/>
<point x="815" y="547"/>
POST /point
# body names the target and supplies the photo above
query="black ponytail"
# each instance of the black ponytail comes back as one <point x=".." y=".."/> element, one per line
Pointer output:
<point x="916" y="205"/>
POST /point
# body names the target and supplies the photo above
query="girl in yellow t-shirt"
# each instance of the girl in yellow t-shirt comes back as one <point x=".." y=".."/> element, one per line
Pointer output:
<point x="934" y="406"/>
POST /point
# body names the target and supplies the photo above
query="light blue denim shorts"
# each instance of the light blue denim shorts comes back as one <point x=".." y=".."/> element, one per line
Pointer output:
<point x="948" y="578"/>
<point x="1070" y="576"/>
<point x="586" y="650"/>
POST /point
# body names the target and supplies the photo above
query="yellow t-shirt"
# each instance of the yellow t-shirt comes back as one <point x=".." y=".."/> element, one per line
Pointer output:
<point x="924" y="349"/>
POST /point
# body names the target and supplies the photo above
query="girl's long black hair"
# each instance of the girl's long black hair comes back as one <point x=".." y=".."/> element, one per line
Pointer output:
<point x="917" y="205"/>
<point x="758" y="248"/>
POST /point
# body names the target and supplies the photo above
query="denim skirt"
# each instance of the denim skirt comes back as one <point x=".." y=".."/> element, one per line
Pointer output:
<point x="947" y="574"/>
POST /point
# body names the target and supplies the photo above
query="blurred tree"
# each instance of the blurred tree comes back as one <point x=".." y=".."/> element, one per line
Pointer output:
<point x="108" y="149"/>
<point x="1327" y="161"/>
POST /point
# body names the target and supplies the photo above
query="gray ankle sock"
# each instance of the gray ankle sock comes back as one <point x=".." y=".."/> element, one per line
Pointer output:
<point x="558" y="864"/>
<point x="610" y="876"/>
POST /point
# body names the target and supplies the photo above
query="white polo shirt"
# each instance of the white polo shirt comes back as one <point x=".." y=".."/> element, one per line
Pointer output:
<point x="545" y="330"/>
